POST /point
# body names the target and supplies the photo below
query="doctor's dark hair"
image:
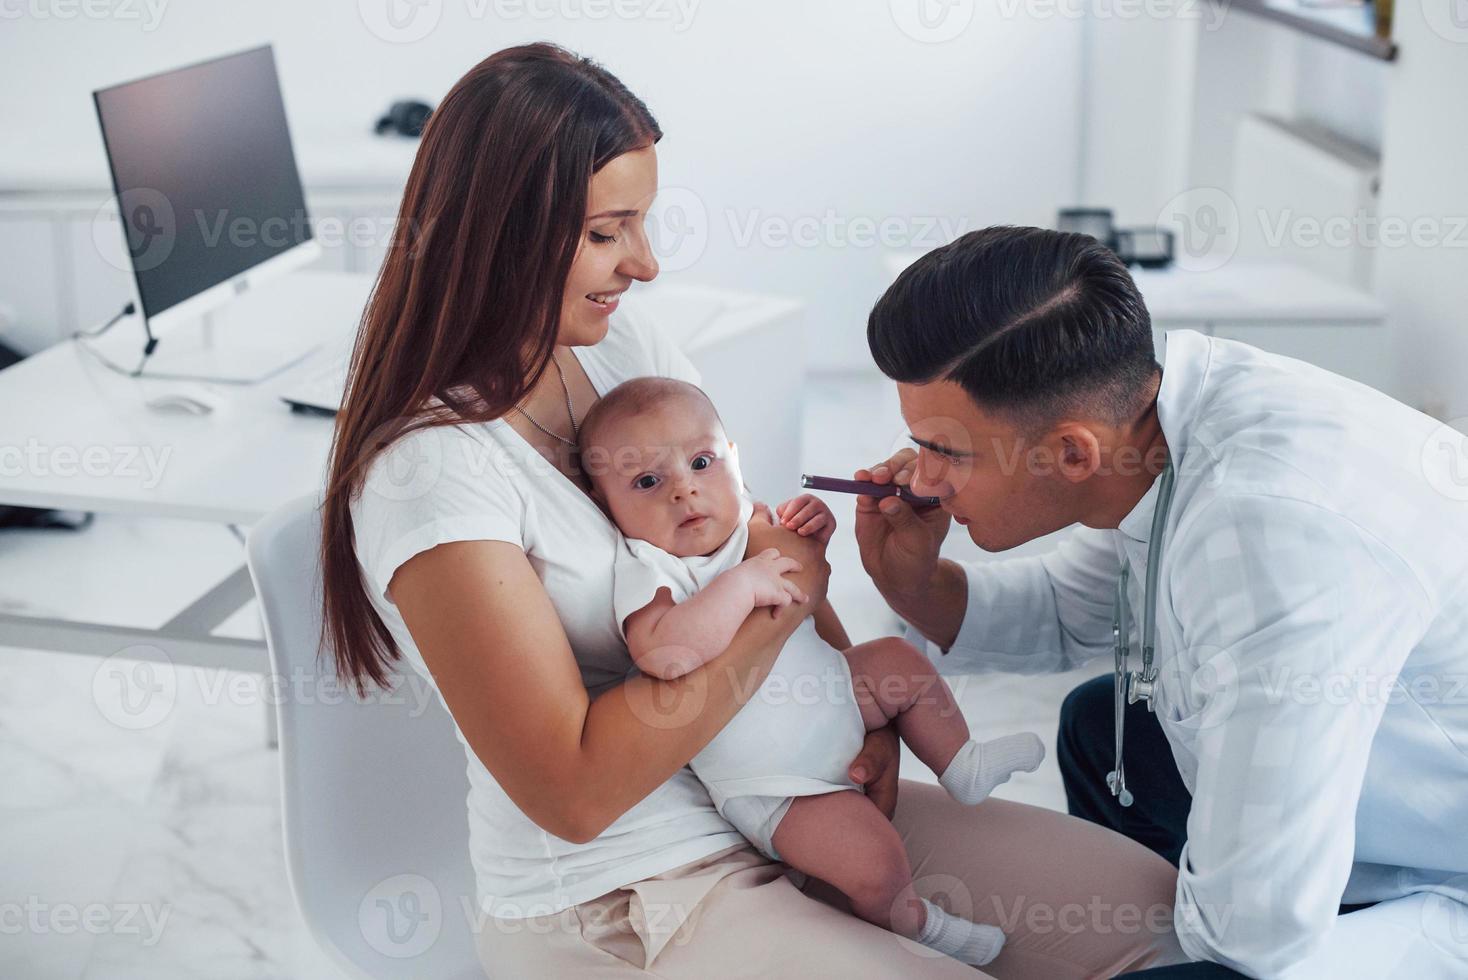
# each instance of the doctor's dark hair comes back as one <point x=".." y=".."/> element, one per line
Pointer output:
<point x="1033" y="324"/>
<point x="467" y="303"/>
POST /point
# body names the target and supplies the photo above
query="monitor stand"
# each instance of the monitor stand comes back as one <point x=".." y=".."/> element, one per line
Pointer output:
<point x="256" y="335"/>
<point x="205" y="353"/>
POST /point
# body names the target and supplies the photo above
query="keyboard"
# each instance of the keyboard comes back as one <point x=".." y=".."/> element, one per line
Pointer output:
<point x="317" y="386"/>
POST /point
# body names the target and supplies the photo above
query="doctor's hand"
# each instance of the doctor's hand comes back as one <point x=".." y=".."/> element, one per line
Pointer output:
<point x="899" y="545"/>
<point x="876" y="768"/>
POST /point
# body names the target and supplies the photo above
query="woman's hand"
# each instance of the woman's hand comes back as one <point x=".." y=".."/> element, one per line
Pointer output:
<point x="493" y="641"/>
<point x="764" y="575"/>
<point x="815" y="572"/>
<point x="899" y="545"/>
<point x="876" y="768"/>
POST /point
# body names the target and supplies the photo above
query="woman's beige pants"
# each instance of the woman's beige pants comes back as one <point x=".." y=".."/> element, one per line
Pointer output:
<point x="1075" y="899"/>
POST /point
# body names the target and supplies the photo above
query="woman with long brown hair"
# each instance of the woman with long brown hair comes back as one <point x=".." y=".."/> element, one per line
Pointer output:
<point x="460" y="539"/>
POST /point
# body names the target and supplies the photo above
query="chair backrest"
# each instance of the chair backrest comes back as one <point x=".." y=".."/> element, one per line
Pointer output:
<point x="373" y="790"/>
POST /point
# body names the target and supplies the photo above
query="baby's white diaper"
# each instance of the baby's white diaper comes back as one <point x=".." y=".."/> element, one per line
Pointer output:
<point x="795" y="737"/>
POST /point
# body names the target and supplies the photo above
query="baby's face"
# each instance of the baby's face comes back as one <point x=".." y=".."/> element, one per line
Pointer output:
<point x="668" y="476"/>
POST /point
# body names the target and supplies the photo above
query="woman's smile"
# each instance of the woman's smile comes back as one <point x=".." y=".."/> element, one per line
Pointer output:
<point x="605" y="303"/>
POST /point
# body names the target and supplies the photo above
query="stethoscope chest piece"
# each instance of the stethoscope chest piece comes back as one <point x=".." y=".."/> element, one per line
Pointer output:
<point x="1141" y="685"/>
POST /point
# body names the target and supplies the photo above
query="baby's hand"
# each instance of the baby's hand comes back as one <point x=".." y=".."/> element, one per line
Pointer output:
<point x="765" y="575"/>
<point x="808" y="516"/>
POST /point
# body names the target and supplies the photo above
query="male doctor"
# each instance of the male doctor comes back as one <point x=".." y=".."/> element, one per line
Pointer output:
<point x="1311" y="591"/>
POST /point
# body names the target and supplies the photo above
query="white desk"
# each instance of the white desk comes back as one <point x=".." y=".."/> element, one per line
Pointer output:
<point x="1252" y="293"/>
<point x="86" y="440"/>
<point x="75" y="435"/>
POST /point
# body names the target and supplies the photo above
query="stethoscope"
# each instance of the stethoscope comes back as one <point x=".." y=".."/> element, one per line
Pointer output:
<point x="1132" y="686"/>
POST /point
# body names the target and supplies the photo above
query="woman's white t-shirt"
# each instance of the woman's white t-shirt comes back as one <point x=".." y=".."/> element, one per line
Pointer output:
<point x="484" y="482"/>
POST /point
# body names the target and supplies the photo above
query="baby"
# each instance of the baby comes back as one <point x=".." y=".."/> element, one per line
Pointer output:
<point x="663" y="468"/>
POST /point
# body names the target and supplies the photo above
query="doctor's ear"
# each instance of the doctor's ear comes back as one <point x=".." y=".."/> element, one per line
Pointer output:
<point x="1078" y="452"/>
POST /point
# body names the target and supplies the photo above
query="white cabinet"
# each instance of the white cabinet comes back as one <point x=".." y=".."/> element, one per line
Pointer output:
<point x="30" y="279"/>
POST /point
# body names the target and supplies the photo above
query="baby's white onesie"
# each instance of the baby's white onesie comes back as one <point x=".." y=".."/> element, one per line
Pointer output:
<point x="795" y="737"/>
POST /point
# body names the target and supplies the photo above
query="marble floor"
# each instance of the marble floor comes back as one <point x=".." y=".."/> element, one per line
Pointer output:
<point x="155" y="851"/>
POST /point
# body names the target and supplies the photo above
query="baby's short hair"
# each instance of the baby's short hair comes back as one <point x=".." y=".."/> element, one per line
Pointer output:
<point x="635" y="397"/>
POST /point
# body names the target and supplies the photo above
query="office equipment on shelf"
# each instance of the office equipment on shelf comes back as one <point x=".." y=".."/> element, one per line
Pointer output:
<point x="1096" y="222"/>
<point x="211" y="206"/>
<point x="405" y="118"/>
<point x="1148" y="248"/>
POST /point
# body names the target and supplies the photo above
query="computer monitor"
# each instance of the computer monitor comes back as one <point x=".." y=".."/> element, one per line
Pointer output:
<point x="209" y="195"/>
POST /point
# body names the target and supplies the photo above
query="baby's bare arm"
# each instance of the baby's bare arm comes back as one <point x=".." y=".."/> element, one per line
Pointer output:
<point x="667" y="639"/>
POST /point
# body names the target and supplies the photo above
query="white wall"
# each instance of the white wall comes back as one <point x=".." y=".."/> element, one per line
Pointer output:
<point x="820" y="116"/>
<point x="1165" y="94"/>
<point x="1424" y="146"/>
<point x="1138" y="114"/>
<point x="1409" y="111"/>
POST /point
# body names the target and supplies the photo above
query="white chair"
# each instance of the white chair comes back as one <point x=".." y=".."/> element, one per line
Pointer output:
<point x="373" y="791"/>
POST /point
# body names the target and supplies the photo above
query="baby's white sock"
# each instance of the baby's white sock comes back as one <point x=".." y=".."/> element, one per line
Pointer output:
<point x="966" y="941"/>
<point x="978" y="767"/>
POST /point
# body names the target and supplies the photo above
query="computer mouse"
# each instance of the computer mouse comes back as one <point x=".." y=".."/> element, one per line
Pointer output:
<point x="198" y="401"/>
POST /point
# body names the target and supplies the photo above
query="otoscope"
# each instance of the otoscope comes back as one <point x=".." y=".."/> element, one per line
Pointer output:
<point x="867" y="489"/>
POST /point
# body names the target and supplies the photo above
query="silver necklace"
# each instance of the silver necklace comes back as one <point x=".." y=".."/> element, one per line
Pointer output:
<point x="575" y="426"/>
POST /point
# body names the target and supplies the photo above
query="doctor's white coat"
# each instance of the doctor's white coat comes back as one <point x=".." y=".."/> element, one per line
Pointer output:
<point x="1312" y="624"/>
